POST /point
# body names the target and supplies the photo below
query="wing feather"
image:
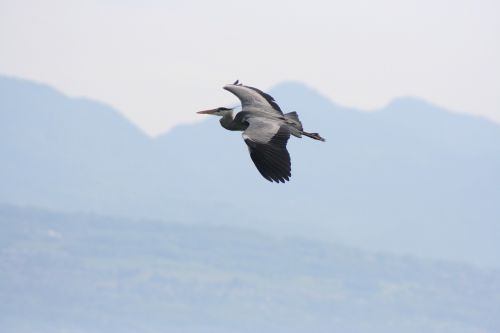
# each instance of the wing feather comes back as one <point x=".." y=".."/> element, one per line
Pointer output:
<point x="251" y="97"/>
<point x="266" y="141"/>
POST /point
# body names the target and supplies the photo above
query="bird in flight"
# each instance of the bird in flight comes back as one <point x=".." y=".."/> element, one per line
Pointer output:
<point x="266" y="130"/>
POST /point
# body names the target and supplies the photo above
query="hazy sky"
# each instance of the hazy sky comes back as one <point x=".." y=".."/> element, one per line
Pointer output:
<point x="160" y="61"/>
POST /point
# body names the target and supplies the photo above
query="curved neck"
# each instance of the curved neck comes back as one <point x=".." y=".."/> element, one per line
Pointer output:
<point x="227" y="121"/>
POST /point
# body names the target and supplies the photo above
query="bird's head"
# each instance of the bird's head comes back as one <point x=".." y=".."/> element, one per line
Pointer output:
<point x="220" y="111"/>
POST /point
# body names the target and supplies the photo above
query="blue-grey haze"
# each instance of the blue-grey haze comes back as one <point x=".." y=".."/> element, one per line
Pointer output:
<point x="411" y="178"/>
<point x="88" y="273"/>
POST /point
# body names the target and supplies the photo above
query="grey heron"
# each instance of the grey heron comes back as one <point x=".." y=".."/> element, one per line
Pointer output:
<point x="266" y="130"/>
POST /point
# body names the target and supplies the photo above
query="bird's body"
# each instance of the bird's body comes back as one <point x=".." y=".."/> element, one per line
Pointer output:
<point x="266" y="130"/>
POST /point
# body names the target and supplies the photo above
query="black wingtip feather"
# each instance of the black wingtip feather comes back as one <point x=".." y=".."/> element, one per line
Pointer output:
<point x="268" y="98"/>
<point x="272" y="162"/>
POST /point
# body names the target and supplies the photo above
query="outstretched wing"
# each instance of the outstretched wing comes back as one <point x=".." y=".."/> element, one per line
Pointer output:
<point x="253" y="97"/>
<point x="266" y="141"/>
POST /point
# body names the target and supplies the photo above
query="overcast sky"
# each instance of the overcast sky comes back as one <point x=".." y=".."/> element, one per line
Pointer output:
<point x="160" y="61"/>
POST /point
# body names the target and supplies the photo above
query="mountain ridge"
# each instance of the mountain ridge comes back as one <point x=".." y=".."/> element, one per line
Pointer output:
<point x="382" y="181"/>
<point x="88" y="273"/>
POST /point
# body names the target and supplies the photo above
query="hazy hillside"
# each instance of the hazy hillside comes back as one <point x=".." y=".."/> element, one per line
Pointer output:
<point x="411" y="178"/>
<point x="86" y="273"/>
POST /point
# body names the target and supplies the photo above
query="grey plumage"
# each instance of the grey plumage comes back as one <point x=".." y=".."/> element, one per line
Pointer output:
<point x="266" y="130"/>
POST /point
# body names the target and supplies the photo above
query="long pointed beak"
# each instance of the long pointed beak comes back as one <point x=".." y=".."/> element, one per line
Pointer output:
<point x="212" y="111"/>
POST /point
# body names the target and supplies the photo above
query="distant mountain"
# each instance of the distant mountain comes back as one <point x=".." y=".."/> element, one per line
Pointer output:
<point x="411" y="178"/>
<point x="88" y="273"/>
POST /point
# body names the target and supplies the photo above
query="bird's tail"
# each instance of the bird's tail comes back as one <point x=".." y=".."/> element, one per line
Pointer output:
<point x="293" y="118"/>
<point x="314" y="136"/>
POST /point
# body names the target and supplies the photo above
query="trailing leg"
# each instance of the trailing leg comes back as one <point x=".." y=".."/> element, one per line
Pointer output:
<point x="314" y="136"/>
